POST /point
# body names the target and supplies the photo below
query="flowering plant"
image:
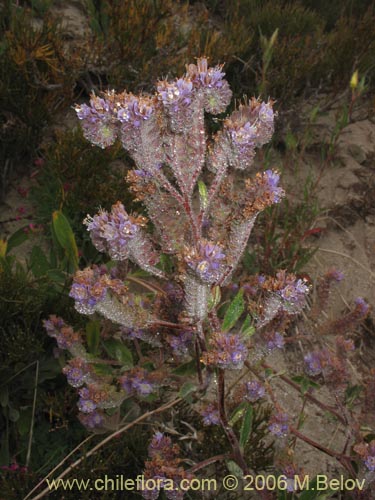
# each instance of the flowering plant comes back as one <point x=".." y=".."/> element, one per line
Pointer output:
<point x="162" y="288"/>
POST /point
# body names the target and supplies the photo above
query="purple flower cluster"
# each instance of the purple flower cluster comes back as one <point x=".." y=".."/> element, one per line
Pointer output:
<point x="181" y="343"/>
<point x="212" y="85"/>
<point x="163" y="470"/>
<point x="111" y="232"/>
<point x="210" y="414"/>
<point x="77" y="372"/>
<point x="207" y="261"/>
<point x="313" y="362"/>
<point x="86" y="404"/>
<point x="138" y="381"/>
<point x="92" y="420"/>
<point x="262" y="192"/>
<point x="64" y="334"/>
<point x="133" y="111"/>
<point x="253" y="391"/>
<point x="98" y="121"/>
<point x="90" y="287"/>
<point x="97" y="395"/>
<point x="175" y="96"/>
<point x="367" y="453"/>
<point x="279" y="425"/>
<point x="362" y="307"/>
<point x="228" y="351"/>
<point x="249" y="127"/>
<point x="274" y="340"/>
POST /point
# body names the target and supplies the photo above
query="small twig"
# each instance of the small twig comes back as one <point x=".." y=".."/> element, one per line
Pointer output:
<point x="209" y="461"/>
<point x="28" y="454"/>
<point x="97" y="447"/>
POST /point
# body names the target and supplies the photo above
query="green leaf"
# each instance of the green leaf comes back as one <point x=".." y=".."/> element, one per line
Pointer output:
<point x="13" y="414"/>
<point x="102" y="369"/>
<point x="214" y="298"/>
<point x="352" y="393"/>
<point x="238" y="413"/>
<point x="234" y="469"/>
<point x="65" y="237"/>
<point x="203" y="194"/>
<point x="39" y="264"/>
<point x="93" y="336"/>
<point x="186" y="369"/>
<point x="234" y="311"/>
<point x="4" y="396"/>
<point x="23" y="423"/>
<point x="247" y="424"/>
<point x="117" y="350"/>
<point x="247" y="328"/>
<point x="17" y="239"/>
<point x="186" y="391"/>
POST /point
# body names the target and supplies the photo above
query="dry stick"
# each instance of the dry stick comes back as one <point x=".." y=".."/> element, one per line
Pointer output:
<point x="343" y="459"/>
<point x="60" y="464"/>
<point x="28" y="455"/>
<point x="209" y="461"/>
<point x="309" y="396"/>
<point x="106" y="440"/>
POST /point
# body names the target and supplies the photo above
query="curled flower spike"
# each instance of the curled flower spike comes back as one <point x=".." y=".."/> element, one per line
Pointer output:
<point x="214" y="88"/>
<point x="367" y="452"/>
<point x="262" y="192"/>
<point x="279" y="425"/>
<point x="77" y="372"/>
<point x="139" y="381"/>
<point x="90" y="288"/>
<point x="227" y="351"/>
<point x="64" y="334"/>
<point x="253" y="391"/>
<point x="210" y="414"/>
<point x="175" y="96"/>
<point x="133" y="111"/>
<point x="207" y="261"/>
<point x="249" y="127"/>
<point x="112" y="232"/>
<point x="92" y="420"/>
<point x="313" y="363"/>
<point x="98" y="121"/>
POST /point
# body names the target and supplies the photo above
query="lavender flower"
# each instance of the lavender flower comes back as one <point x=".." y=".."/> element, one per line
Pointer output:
<point x="64" y="334"/>
<point x="210" y="414"/>
<point x="210" y="81"/>
<point x="279" y="425"/>
<point x="181" y="343"/>
<point x="274" y="341"/>
<point x="139" y="381"/>
<point x="253" y="391"/>
<point x="112" y="232"/>
<point x="98" y="121"/>
<point x="77" y="372"/>
<point x="367" y="453"/>
<point x="362" y="307"/>
<point x="207" y="261"/>
<point x="175" y="96"/>
<point x="133" y="111"/>
<point x="85" y="404"/>
<point x="227" y="351"/>
<point x="90" y="287"/>
<point x="92" y="420"/>
<point x="313" y="363"/>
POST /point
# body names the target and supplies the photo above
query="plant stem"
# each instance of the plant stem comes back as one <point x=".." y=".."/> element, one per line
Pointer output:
<point x="232" y="438"/>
